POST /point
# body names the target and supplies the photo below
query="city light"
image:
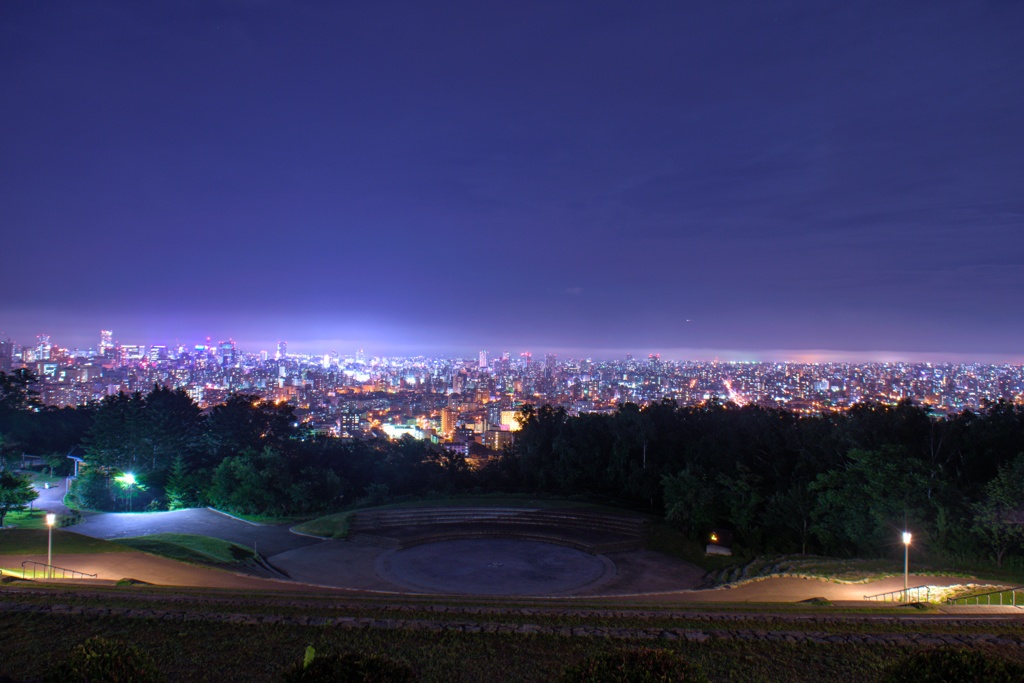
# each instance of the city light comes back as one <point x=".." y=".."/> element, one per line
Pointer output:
<point x="355" y="395"/>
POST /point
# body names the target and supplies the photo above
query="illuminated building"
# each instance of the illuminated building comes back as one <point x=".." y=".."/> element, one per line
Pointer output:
<point x="509" y="421"/>
<point x="6" y="355"/>
<point x="226" y="352"/>
<point x="106" y="342"/>
<point x="43" y="347"/>
<point x="449" y="416"/>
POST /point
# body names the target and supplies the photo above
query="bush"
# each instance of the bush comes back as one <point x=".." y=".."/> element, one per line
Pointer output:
<point x="349" y="668"/>
<point x="92" y="491"/>
<point x="641" y="665"/>
<point x="72" y="518"/>
<point x="948" y="665"/>
<point x="99" y="660"/>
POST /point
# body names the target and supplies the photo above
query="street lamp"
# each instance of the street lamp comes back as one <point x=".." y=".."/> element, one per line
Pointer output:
<point x="906" y="563"/>
<point x="128" y="481"/>
<point x="51" y="519"/>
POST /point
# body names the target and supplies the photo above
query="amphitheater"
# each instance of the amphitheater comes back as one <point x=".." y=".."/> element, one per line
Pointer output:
<point x="491" y="551"/>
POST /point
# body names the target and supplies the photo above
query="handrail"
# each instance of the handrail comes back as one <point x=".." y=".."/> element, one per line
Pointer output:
<point x="988" y="597"/>
<point x="906" y="593"/>
<point x="50" y="572"/>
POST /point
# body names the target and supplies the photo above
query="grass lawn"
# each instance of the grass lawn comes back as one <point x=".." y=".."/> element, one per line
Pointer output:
<point x="41" y="478"/>
<point x="26" y="519"/>
<point x="270" y="520"/>
<point x="33" y="542"/>
<point x="190" y="548"/>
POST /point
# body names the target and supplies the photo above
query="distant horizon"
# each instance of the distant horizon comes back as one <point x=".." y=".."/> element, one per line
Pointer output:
<point x="378" y="348"/>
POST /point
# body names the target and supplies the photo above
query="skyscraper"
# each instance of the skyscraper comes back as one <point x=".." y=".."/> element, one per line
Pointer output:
<point x="448" y="419"/>
<point x="226" y="352"/>
<point x="43" y="347"/>
<point x="6" y="355"/>
<point x="282" y="350"/>
<point x="483" y="360"/>
<point x="106" y="341"/>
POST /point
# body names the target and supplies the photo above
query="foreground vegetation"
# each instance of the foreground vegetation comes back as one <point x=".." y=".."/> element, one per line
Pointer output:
<point x="196" y="645"/>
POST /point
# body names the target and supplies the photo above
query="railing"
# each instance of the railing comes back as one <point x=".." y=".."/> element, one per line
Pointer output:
<point x="913" y="594"/>
<point x="1006" y="596"/>
<point x="48" y="571"/>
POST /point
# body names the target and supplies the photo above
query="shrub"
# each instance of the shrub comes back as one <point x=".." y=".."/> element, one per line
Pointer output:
<point x="641" y="665"/>
<point x="349" y="668"/>
<point x="99" y="660"/>
<point x="949" y="665"/>
<point x="72" y="518"/>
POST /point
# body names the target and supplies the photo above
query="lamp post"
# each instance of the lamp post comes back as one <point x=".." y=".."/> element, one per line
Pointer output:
<point x="906" y="564"/>
<point x="51" y="519"/>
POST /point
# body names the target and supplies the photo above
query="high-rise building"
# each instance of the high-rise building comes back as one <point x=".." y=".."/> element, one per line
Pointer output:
<point x="282" y="350"/>
<point x="449" y="416"/>
<point x="6" y="355"/>
<point x="106" y="341"/>
<point x="509" y="422"/>
<point x="43" y="347"/>
<point x="483" y="360"/>
<point x="226" y="353"/>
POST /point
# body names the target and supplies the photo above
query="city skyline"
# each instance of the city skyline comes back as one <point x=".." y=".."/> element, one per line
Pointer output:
<point x="752" y="178"/>
<point x="351" y="348"/>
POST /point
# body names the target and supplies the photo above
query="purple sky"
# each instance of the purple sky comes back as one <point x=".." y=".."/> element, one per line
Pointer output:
<point x="574" y="176"/>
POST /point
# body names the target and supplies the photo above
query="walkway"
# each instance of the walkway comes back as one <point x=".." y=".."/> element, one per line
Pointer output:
<point x="267" y="540"/>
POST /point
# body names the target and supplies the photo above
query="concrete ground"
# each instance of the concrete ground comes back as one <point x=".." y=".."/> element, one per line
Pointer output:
<point x="51" y="499"/>
<point x="495" y="567"/>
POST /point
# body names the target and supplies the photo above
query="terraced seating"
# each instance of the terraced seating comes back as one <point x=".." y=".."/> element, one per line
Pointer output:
<point x="592" y="532"/>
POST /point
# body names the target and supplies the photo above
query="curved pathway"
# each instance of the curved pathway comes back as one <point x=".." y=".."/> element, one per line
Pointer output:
<point x="267" y="540"/>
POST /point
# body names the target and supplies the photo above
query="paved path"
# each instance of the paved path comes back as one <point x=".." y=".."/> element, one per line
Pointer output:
<point x="150" y="569"/>
<point x="268" y="540"/>
<point x="51" y="499"/>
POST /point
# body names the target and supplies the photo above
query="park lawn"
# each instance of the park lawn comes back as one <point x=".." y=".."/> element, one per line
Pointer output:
<point x="191" y="548"/>
<point x="40" y="478"/>
<point x="33" y="542"/>
<point x="328" y="526"/>
<point x="26" y="519"/>
<point x="268" y="520"/>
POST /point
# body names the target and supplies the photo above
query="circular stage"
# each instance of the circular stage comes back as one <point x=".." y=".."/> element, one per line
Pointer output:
<point x="494" y="567"/>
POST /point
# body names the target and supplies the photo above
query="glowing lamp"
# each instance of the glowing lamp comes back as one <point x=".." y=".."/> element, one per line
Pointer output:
<point x="906" y="538"/>
<point x="51" y="519"/>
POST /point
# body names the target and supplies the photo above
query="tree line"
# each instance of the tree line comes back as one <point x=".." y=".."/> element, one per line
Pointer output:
<point x="843" y="483"/>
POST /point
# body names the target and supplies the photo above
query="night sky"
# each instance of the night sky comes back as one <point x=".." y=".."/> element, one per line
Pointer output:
<point x="695" y="178"/>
